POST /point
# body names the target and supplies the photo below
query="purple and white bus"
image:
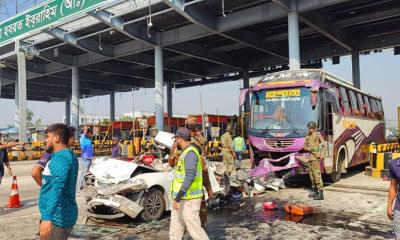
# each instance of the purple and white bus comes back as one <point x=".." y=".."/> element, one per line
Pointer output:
<point x="283" y="103"/>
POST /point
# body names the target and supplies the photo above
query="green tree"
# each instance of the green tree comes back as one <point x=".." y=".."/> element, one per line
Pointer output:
<point x="30" y="123"/>
<point x="29" y="115"/>
<point x="29" y="118"/>
<point x="105" y="121"/>
<point x="38" y="123"/>
<point x="125" y="118"/>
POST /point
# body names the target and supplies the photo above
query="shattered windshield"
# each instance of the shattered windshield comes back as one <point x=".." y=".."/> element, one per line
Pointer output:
<point x="284" y="110"/>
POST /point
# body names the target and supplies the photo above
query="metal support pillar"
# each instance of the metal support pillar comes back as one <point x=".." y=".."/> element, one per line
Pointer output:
<point x="246" y="116"/>
<point x="169" y="99"/>
<point x="112" y="106"/>
<point x="22" y="93"/>
<point x="355" y="65"/>
<point x="75" y="100"/>
<point x="67" y="111"/>
<point x="294" y="37"/>
<point x="159" y="87"/>
<point x="16" y="106"/>
<point x="246" y="84"/>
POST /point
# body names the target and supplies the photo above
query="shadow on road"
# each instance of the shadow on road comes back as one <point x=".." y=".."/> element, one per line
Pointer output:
<point x="25" y="205"/>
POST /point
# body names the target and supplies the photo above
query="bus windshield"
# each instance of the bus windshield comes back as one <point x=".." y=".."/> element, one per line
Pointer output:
<point x="282" y="110"/>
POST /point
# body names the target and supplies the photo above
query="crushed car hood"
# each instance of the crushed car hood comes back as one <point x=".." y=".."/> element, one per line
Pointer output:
<point x="110" y="170"/>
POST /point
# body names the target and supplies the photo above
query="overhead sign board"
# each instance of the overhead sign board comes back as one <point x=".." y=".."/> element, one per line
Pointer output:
<point x="44" y="15"/>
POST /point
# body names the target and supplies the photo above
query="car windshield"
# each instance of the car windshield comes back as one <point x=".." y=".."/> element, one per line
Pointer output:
<point x="283" y="110"/>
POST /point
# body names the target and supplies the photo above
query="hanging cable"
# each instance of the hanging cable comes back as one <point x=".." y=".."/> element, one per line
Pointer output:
<point x="148" y="20"/>
<point x="223" y="8"/>
<point x="133" y="3"/>
<point x="100" y="48"/>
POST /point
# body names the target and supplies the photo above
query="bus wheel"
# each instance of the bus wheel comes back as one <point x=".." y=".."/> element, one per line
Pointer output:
<point x="336" y="175"/>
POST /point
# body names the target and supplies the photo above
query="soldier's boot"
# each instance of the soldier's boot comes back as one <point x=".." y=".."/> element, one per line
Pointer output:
<point x="320" y="195"/>
<point x="312" y="193"/>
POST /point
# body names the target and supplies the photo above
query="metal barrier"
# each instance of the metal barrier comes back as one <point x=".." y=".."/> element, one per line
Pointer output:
<point x="380" y="155"/>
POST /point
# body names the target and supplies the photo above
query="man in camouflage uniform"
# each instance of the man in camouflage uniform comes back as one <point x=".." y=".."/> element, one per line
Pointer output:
<point x="314" y="146"/>
<point x="227" y="151"/>
<point x="200" y="141"/>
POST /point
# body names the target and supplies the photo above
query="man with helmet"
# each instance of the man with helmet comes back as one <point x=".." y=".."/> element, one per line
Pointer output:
<point x="227" y="151"/>
<point x="314" y="146"/>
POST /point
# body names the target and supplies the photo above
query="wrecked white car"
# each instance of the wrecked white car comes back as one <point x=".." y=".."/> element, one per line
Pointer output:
<point x="117" y="188"/>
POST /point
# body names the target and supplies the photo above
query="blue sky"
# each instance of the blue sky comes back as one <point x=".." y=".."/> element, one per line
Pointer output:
<point x="378" y="76"/>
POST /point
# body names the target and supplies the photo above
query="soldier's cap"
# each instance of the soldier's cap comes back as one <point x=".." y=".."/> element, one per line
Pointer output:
<point x="183" y="133"/>
<point x="311" y="124"/>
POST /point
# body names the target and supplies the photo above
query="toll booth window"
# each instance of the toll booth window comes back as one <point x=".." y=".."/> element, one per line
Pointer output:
<point x="345" y="100"/>
<point x="361" y="105"/>
<point x="354" y="104"/>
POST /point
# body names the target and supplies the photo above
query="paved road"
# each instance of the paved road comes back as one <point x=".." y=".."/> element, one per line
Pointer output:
<point x="20" y="223"/>
<point x="28" y="189"/>
<point x="355" y="208"/>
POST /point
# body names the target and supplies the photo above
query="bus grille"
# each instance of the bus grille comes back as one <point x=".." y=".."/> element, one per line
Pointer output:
<point x="279" y="143"/>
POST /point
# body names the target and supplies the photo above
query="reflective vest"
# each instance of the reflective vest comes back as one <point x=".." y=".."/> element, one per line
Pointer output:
<point x="238" y="143"/>
<point x="196" y="189"/>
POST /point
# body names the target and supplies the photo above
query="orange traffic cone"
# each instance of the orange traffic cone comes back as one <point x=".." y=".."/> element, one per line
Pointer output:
<point x="14" y="197"/>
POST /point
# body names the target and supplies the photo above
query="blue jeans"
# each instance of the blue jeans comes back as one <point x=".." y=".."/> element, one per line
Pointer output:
<point x="238" y="161"/>
<point x="84" y="168"/>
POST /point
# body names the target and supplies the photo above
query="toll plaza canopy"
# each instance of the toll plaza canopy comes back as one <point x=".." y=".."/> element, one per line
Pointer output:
<point x="65" y="50"/>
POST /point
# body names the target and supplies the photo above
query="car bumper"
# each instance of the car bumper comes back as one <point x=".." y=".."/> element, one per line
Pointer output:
<point x="116" y="202"/>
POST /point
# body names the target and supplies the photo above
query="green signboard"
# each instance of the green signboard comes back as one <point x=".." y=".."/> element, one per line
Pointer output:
<point x="44" y="15"/>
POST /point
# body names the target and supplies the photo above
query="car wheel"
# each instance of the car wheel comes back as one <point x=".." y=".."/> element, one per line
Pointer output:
<point x="153" y="204"/>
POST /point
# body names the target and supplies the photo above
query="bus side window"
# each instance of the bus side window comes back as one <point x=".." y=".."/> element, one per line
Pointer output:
<point x="368" y="107"/>
<point x="331" y="104"/>
<point x="339" y="100"/>
<point x="353" y="101"/>
<point x="375" y="109"/>
<point x="360" y="102"/>
<point x="329" y="118"/>
<point x="345" y="101"/>
<point x="380" y="108"/>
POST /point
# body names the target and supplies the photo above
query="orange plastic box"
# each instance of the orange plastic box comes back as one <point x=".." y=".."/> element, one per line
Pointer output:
<point x="298" y="209"/>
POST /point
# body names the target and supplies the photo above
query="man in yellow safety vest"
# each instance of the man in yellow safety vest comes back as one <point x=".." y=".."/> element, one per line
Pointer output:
<point x="187" y="190"/>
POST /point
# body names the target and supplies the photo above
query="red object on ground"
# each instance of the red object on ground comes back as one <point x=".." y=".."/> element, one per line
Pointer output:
<point x="148" y="160"/>
<point x="14" y="197"/>
<point x="269" y="206"/>
<point x="298" y="209"/>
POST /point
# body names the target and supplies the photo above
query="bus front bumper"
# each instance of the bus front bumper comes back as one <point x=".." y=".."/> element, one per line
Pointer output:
<point x="266" y="165"/>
